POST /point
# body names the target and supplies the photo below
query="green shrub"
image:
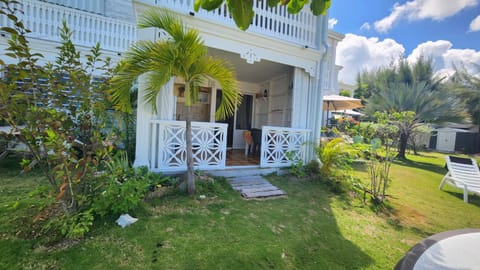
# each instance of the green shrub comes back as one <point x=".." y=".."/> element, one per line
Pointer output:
<point x="333" y="154"/>
<point x="336" y="157"/>
<point x="124" y="187"/>
<point x="211" y="186"/>
<point x="296" y="168"/>
<point x="313" y="167"/>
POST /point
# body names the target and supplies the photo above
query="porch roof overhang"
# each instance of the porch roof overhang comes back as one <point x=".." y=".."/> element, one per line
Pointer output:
<point x="254" y="73"/>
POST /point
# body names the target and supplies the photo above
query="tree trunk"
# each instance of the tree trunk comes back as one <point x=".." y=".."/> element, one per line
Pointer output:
<point x="188" y="140"/>
<point x="403" y="146"/>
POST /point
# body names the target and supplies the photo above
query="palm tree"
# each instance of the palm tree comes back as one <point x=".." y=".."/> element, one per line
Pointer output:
<point x="467" y="88"/>
<point x="428" y="106"/>
<point x="182" y="55"/>
<point x="410" y="87"/>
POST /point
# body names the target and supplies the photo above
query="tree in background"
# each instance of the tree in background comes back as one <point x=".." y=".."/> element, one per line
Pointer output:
<point x="467" y="87"/>
<point x="184" y="56"/>
<point x="411" y="87"/>
<point x="242" y="10"/>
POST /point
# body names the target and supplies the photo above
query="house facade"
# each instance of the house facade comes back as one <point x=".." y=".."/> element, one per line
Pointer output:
<point x="284" y="63"/>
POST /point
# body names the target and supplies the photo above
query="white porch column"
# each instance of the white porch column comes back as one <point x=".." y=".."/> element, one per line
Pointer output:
<point x="322" y="72"/>
<point x="314" y="102"/>
<point x="300" y="97"/>
<point x="165" y="111"/>
<point x="144" y="115"/>
<point x="166" y="102"/>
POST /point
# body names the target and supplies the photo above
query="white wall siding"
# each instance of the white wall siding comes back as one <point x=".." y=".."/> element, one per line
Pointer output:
<point x="94" y="6"/>
<point x="120" y="9"/>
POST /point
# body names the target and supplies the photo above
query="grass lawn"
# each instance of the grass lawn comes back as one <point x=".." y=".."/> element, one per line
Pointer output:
<point x="311" y="229"/>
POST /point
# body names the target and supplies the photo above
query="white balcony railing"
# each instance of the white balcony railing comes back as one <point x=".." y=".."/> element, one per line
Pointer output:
<point x="44" y="20"/>
<point x="274" y="22"/>
<point x="168" y="146"/>
<point x="281" y="146"/>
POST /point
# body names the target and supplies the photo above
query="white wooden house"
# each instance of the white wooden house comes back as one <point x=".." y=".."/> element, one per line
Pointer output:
<point x="283" y="63"/>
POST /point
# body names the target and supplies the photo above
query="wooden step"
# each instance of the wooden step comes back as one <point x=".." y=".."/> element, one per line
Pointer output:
<point x="255" y="187"/>
<point x="264" y="186"/>
<point x="263" y="194"/>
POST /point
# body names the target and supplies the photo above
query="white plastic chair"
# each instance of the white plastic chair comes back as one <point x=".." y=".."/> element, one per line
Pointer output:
<point x="462" y="173"/>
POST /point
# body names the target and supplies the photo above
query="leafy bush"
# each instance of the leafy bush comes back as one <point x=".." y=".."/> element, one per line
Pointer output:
<point x="58" y="111"/>
<point x="296" y="168"/>
<point x="123" y="187"/>
<point x="313" y="167"/>
<point x="346" y="123"/>
<point x="333" y="154"/>
<point x="379" y="156"/>
<point x="336" y="157"/>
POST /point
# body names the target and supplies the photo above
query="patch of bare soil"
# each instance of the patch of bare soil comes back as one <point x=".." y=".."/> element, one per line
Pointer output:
<point x="408" y="216"/>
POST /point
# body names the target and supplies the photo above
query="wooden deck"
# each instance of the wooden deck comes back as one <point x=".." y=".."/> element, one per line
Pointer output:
<point x="255" y="187"/>
<point x="237" y="157"/>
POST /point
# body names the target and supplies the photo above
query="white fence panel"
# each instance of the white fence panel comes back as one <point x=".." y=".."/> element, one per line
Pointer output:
<point x="168" y="145"/>
<point x="281" y="146"/>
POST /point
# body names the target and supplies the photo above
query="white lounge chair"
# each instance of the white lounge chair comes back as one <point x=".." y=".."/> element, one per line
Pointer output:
<point x="462" y="173"/>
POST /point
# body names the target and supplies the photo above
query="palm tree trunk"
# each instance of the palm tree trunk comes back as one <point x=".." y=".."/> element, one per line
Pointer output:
<point x="188" y="140"/>
<point x="403" y="146"/>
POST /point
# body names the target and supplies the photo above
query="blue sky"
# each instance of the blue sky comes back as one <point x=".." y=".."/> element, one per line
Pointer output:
<point x="378" y="31"/>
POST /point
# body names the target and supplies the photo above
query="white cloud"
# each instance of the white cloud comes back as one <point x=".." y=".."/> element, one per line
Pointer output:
<point x="358" y="53"/>
<point x="431" y="49"/>
<point x="475" y="24"/>
<point x="423" y="9"/>
<point x="445" y="58"/>
<point x="332" y="22"/>
<point x="365" y="26"/>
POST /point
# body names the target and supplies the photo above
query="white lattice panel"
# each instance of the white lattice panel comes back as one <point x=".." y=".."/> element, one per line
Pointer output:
<point x="168" y="146"/>
<point x="278" y="141"/>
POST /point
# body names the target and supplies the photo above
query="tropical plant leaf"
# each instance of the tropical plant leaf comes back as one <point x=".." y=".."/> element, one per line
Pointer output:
<point x="242" y="12"/>
<point x="207" y="4"/>
<point x="320" y="7"/>
<point x="295" y="6"/>
<point x="196" y="5"/>
<point x="273" y="3"/>
<point x="9" y="30"/>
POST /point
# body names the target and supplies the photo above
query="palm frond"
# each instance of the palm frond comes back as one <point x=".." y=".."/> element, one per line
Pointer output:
<point x="155" y="80"/>
<point x="163" y="19"/>
<point x="223" y="73"/>
<point x="121" y="84"/>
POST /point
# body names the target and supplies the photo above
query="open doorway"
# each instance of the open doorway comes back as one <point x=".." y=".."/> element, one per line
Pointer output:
<point x="240" y="122"/>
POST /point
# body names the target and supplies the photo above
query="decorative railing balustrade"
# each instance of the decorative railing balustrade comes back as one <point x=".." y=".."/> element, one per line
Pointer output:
<point x="44" y="20"/>
<point x="274" y="22"/>
<point x="168" y="146"/>
<point x="281" y="146"/>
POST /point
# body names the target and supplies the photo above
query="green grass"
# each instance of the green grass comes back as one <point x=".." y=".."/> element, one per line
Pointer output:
<point x="310" y="229"/>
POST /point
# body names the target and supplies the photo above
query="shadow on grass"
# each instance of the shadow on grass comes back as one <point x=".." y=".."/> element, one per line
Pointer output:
<point x="325" y="246"/>
<point x="421" y="165"/>
<point x="473" y="199"/>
